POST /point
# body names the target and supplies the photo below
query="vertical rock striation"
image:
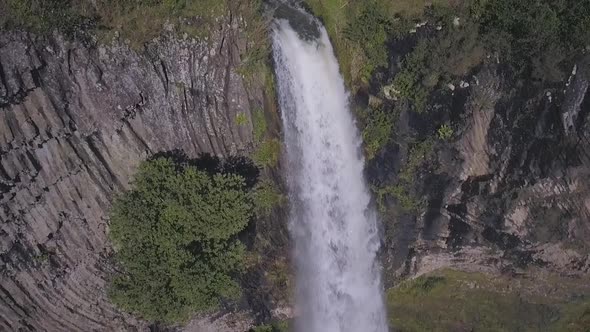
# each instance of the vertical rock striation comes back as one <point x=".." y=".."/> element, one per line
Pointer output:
<point x="75" y="122"/>
<point x="511" y="192"/>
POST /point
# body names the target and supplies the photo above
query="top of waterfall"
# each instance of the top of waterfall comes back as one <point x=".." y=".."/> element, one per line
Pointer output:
<point x="305" y="24"/>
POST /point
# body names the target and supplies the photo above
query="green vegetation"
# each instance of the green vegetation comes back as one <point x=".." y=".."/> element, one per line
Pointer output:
<point x="445" y="132"/>
<point x="139" y="21"/>
<point x="281" y="326"/>
<point x="369" y="30"/>
<point x="407" y="202"/>
<point x="254" y="61"/>
<point x="241" y="119"/>
<point x="450" y="300"/>
<point x="377" y="126"/>
<point x="42" y="16"/>
<point x="537" y="36"/>
<point x="175" y="237"/>
<point x="268" y="150"/>
<point x="260" y="125"/>
<point x="142" y="20"/>
<point x="416" y="156"/>
<point x="360" y="29"/>
<point x="434" y="62"/>
<point x="43" y="257"/>
<point x="409" y="81"/>
<point x="266" y="197"/>
<point x="258" y="51"/>
<point x="268" y="153"/>
<point x="399" y="190"/>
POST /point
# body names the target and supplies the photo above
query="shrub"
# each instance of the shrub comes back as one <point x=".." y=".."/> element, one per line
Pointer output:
<point x="378" y="127"/>
<point x="409" y="80"/>
<point x="445" y="132"/>
<point x="175" y="237"/>
<point x="370" y="30"/>
<point x="406" y="201"/>
<point x="454" y="53"/>
<point x="266" y="197"/>
<point x="416" y="156"/>
<point x="268" y="153"/>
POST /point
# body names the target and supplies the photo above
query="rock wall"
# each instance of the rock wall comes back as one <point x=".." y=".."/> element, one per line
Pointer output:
<point x="75" y="121"/>
<point x="510" y="192"/>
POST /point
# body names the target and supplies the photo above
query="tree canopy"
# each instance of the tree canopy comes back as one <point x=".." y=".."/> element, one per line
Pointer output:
<point x="175" y="237"/>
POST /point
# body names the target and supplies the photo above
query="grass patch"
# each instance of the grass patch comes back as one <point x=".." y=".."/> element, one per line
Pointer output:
<point x="450" y="300"/>
<point x="260" y="125"/>
<point x="268" y="153"/>
<point x="241" y="119"/>
<point x="280" y="326"/>
<point x="43" y="16"/>
<point x="138" y="21"/>
<point x="268" y="150"/>
<point x="266" y="197"/>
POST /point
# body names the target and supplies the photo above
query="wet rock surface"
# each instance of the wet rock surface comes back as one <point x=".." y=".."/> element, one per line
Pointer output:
<point x="75" y="121"/>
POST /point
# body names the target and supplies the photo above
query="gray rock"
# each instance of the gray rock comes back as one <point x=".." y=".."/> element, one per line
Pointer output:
<point x="510" y="193"/>
<point x="74" y="124"/>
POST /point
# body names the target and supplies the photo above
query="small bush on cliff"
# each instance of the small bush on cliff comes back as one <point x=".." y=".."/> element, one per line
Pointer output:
<point x="266" y="196"/>
<point x="377" y="127"/>
<point x="268" y="153"/>
<point x="175" y="236"/>
<point x="445" y="132"/>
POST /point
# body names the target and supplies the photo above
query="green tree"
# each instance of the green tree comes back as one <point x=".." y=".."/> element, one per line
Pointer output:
<point x="175" y="237"/>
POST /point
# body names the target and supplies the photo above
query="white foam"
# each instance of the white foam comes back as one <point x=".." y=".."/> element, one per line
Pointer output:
<point x="335" y="231"/>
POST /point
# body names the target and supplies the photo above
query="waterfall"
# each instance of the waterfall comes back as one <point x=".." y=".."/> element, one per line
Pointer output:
<point x="333" y="227"/>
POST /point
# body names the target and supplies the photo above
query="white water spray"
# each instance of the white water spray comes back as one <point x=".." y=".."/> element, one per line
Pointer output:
<point x="335" y="232"/>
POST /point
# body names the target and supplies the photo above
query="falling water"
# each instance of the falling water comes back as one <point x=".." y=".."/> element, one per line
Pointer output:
<point x="334" y="229"/>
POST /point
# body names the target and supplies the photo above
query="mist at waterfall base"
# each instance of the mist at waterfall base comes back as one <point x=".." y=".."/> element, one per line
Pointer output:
<point x="334" y="229"/>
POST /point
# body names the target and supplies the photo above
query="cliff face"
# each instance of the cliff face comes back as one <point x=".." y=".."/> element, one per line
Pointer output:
<point x="509" y="193"/>
<point x="75" y="122"/>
